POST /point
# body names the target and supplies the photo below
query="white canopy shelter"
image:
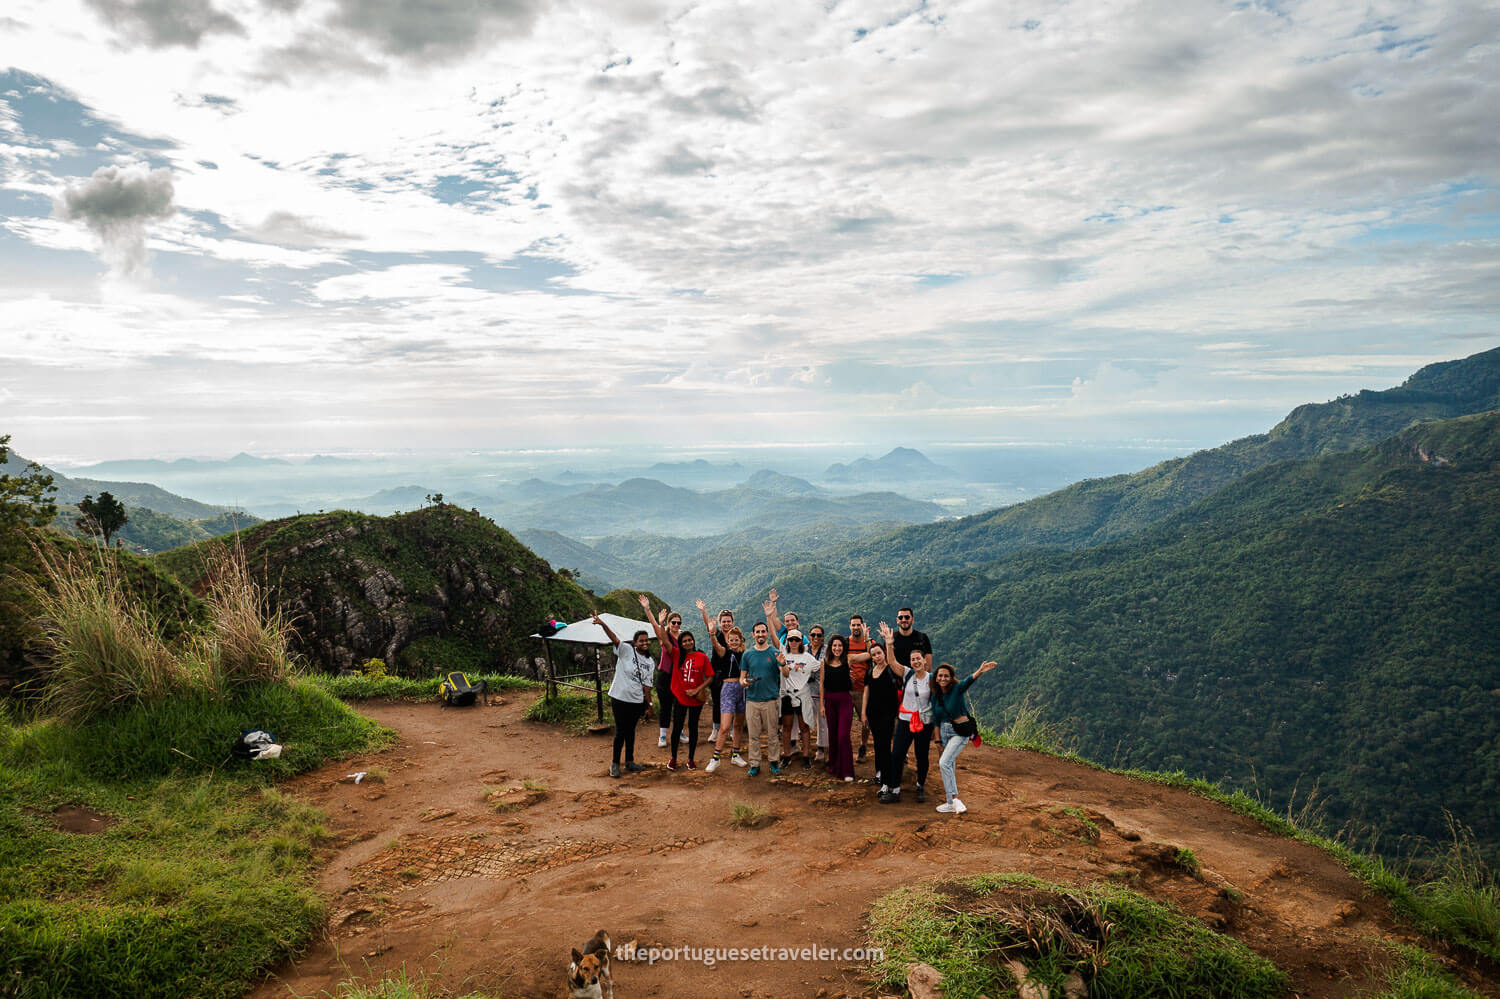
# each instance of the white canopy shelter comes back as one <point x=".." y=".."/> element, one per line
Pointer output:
<point x="586" y="632"/>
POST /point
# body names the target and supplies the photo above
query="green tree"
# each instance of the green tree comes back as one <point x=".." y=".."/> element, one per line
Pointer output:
<point x="24" y="499"/>
<point x="104" y="515"/>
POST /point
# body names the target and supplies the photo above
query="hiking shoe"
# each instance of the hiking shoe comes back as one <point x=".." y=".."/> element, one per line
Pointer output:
<point x="614" y="770"/>
<point x="755" y="771"/>
<point x="634" y="767"/>
<point x="775" y="770"/>
<point x="692" y="765"/>
<point x="713" y="764"/>
<point x="947" y="808"/>
<point x="661" y="743"/>
<point x="959" y="807"/>
<point x="921" y="795"/>
<point x="672" y="763"/>
<point x="890" y="798"/>
<point x="739" y="760"/>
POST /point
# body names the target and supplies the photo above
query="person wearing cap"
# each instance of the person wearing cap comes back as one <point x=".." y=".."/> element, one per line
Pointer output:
<point x="796" y="699"/>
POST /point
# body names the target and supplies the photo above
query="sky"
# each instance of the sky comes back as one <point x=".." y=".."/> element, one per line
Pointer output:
<point x="293" y="225"/>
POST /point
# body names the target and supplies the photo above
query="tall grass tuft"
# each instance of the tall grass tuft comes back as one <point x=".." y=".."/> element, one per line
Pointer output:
<point x="107" y="648"/>
<point x="249" y="638"/>
<point x="1463" y="899"/>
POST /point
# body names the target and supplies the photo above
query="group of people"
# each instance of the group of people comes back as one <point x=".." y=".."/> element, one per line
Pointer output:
<point x="800" y="695"/>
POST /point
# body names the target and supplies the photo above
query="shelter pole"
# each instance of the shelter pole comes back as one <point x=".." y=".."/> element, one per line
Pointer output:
<point x="551" y="673"/>
<point x="598" y="686"/>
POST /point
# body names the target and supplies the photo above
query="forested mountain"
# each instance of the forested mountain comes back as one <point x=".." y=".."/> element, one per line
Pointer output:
<point x="1327" y="623"/>
<point x="1097" y="510"/>
<point x="436" y="589"/>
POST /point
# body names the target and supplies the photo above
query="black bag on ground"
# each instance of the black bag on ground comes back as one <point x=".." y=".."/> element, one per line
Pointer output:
<point x="458" y="692"/>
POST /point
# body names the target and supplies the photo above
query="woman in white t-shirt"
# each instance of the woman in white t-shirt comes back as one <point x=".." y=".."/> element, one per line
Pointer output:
<point x="635" y="672"/>
<point x="797" y="704"/>
<point x="913" y="728"/>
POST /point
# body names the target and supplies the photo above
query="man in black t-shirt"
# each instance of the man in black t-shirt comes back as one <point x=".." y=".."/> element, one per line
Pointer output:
<point x="908" y="638"/>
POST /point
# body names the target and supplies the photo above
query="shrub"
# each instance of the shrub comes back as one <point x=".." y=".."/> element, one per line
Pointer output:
<point x="107" y="648"/>
<point x="249" y="638"/>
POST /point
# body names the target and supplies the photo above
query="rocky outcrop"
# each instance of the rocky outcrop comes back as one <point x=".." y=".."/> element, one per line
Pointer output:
<point x="432" y="590"/>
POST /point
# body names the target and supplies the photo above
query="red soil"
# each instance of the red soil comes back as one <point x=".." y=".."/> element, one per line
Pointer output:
<point x="454" y="867"/>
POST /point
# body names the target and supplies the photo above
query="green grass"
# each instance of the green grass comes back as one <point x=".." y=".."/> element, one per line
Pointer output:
<point x="575" y="712"/>
<point x="1124" y="944"/>
<point x="747" y="816"/>
<point x="204" y="878"/>
<point x="1415" y="975"/>
<point x="400" y="986"/>
<point x="396" y="688"/>
<point x="194" y="734"/>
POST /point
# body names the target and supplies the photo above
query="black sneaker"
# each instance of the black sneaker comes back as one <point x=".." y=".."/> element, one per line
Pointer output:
<point x="921" y="795"/>
<point x="891" y="798"/>
<point x="806" y="763"/>
<point x="614" y="770"/>
<point x="634" y="767"/>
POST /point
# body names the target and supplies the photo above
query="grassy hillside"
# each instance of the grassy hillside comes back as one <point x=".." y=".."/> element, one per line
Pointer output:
<point x="1325" y="623"/>
<point x="1097" y="510"/>
<point x="436" y="589"/>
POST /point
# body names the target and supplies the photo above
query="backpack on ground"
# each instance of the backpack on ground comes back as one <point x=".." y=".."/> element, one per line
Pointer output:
<point x="458" y="692"/>
<point x="256" y="744"/>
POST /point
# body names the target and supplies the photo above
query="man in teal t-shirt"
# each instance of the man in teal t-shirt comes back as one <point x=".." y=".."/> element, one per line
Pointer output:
<point x="760" y="672"/>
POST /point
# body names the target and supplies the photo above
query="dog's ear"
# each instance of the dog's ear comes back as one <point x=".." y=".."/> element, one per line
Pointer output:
<point x="576" y="956"/>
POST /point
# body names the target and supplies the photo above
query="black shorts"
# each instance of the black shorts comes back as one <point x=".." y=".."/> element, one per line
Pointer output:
<point x="787" y="710"/>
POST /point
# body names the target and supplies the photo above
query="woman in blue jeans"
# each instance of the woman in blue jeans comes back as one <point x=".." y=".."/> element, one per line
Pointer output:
<point x="956" y="726"/>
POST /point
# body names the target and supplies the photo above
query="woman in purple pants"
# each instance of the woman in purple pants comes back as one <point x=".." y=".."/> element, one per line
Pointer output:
<point x="838" y="706"/>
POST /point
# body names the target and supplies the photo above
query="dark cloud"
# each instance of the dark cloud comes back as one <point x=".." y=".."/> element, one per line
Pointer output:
<point x="434" y="28"/>
<point x="683" y="161"/>
<point x="315" y="54"/>
<point x="116" y="204"/>
<point x="287" y="229"/>
<point x="717" y="101"/>
<point x="160" y="23"/>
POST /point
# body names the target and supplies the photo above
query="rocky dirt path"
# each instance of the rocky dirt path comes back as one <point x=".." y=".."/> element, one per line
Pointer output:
<point x="427" y="873"/>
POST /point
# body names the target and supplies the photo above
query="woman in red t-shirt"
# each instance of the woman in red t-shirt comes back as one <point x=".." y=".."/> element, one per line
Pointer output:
<point x="692" y="680"/>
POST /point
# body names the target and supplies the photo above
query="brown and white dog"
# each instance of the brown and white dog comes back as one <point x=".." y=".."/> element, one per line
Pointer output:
<point x="588" y="974"/>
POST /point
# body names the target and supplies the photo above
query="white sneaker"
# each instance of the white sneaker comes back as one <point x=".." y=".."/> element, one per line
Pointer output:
<point x="661" y="743"/>
<point x="683" y="738"/>
<point x="739" y="760"/>
<point x="848" y="780"/>
<point x="713" y="736"/>
<point x="959" y="807"/>
<point x="947" y="808"/>
<point x="713" y="765"/>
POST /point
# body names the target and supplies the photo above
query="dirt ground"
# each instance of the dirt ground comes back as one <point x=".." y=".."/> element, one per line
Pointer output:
<point x="494" y="846"/>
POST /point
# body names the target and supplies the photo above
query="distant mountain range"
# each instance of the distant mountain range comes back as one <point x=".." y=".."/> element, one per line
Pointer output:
<point x="158" y="519"/>
<point x="1098" y="510"/>
<point x="897" y="465"/>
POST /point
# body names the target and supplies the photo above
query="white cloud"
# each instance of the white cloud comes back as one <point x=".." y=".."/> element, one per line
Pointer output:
<point x="1158" y="202"/>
